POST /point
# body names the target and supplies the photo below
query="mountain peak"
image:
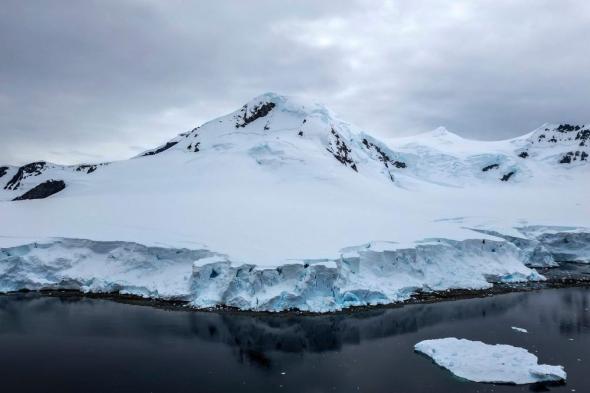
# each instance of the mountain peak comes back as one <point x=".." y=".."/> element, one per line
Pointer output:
<point x="294" y="105"/>
<point x="293" y="137"/>
<point x="269" y="96"/>
<point x="442" y="134"/>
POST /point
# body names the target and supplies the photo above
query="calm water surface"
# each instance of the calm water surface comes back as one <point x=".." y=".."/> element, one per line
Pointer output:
<point x="85" y="345"/>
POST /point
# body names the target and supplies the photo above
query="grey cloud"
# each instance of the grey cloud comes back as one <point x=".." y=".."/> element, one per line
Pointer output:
<point x="100" y="79"/>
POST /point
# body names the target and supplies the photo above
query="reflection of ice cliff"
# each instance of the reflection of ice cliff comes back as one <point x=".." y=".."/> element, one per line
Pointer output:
<point x="258" y="332"/>
<point x="255" y="337"/>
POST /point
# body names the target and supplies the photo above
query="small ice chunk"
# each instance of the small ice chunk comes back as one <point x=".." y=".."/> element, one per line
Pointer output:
<point x="519" y="329"/>
<point x="480" y="362"/>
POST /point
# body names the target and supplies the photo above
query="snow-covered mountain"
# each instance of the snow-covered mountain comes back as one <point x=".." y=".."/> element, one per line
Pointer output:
<point x="281" y="204"/>
<point x="291" y="137"/>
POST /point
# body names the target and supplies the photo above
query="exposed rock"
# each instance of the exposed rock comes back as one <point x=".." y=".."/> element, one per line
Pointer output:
<point x="570" y="156"/>
<point x="194" y="148"/>
<point x="383" y="157"/>
<point x="487" y="168"/>
<point x="3" y="170"/>
<point x="507" y="176"/>
<point x="583" y="136"/>
<point x="88" y="168"/>
<point x="566" y="133"/>
<point x="256" y="113"/>
<point x="567" y="158"/>
<point x="523" y="154"/>
<point x="160" y="149"/>
<point x="567" y="128"/>
<point x="43" y="190"/>
<point x="32" y="169"/>
<point x="340" y="151"/>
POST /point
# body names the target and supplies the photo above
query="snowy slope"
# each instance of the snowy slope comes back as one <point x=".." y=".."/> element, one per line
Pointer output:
<point x="282" y="182"/>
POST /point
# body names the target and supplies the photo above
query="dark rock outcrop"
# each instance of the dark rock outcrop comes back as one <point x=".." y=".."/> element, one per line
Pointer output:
<point x="570" y="156"/>
<point x="567" y="128"/>
<point x="3" y="170"/>
<point x="567" y="158"/>
<point x="256" y="113"/>
<point x="32" y="169"/>
<point x="384" y="157"/>
<point x="194" y="148"/>
<point x="88" y="168"/>
<point x="160" y="149"/>
<point x="341" y="151"/>
<point x="507" y="176"/>
<point x="487" y="168"/>
<point x="583" y="136"/>
<point x="43" y="190"/>
<point x="523" y="154"/>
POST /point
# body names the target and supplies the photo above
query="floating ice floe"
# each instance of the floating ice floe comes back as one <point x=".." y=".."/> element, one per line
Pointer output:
<point x="480" y="362"/>
<point x="520" y="330"/>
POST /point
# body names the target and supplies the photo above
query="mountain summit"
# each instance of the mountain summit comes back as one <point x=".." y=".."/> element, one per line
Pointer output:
<point x="289" y="136"/>
<point x="281" y="205"/>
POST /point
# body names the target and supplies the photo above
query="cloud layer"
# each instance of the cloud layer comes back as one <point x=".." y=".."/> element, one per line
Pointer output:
<point x="101" y="80"/>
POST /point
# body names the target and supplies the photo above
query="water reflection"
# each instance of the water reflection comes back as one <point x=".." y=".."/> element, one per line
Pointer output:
<point x="248" y="332"/>
<point x="321" y="353"/>
<point x="256" y="334"/>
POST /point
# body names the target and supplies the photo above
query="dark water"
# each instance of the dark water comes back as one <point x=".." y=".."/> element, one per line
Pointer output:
<point x="85" y="345"/>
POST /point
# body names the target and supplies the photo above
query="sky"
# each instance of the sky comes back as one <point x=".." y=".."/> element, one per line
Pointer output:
<point x="89" y="81"/>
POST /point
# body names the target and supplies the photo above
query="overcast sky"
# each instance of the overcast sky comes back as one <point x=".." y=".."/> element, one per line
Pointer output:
<point x="101" y="80"/>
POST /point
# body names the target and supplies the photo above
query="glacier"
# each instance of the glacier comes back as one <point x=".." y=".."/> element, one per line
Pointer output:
<point x="371" y="274"/>
<point x="282" y="205"/>
<point x="480" y="362"/>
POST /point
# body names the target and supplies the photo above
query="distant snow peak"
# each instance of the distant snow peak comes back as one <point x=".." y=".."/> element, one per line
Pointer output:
<point x="443" y="134"/>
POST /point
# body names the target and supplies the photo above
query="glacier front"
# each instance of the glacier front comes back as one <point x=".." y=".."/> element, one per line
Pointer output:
<point x="366" y="275"/>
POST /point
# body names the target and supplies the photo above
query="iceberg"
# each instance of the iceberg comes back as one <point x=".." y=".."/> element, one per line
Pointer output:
<point x="480" y="362"/>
